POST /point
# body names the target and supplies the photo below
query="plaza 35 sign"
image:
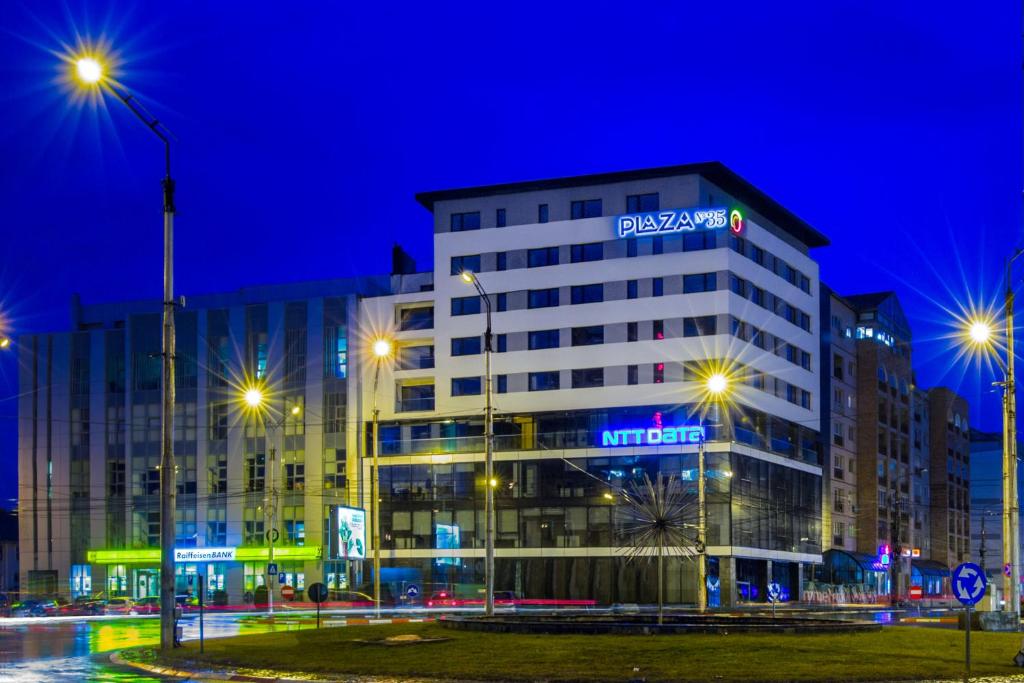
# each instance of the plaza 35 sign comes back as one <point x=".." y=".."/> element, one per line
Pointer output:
<point x="679" y="220"/>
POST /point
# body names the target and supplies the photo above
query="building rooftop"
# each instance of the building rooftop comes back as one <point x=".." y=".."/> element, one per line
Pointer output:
<point x="715" y="171"/>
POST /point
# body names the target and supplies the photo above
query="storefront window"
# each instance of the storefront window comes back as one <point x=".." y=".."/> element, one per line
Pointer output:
<point x="81" y="580"/>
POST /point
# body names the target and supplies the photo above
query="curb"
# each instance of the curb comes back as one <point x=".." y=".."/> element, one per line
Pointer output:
<point x="116" y="658"/>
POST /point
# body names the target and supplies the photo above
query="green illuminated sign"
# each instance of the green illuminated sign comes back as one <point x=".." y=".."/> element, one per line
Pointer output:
<point x="152" y="555"/>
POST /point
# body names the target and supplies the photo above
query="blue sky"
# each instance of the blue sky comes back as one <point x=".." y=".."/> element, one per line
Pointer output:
<point x="304" y="130"/>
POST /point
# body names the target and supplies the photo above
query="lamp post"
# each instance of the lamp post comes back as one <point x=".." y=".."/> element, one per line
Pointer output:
<point x="89" y="72"/>
<point x="489" y="481"/>
<point x="256" y="401"/>
<point x="381" y="350"/>
<point x="980" y="334"/>
<point x="716" y="386"/>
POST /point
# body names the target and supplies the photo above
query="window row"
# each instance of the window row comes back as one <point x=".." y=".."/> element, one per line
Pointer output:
<point x="584" y="208"/>
<point x="768" y="301"/>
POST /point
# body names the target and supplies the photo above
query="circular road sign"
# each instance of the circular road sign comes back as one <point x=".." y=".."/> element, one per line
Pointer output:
<point x="412" y="591"/>
<point x="969" y="583"/>
<point x="287" y="592"/>
<point x="317" y="592"/>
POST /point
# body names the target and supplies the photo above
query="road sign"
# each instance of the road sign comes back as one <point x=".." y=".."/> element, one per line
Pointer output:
<point x="1006" y="570"/>
<point x="272" y="568"/>
<point x="317" y="592"/>
<point x="412" y="591"/>
<point x="916" y="593"/>
<point x="287" y="592"/>
<point x="774" y="592"/>
<point x="281" y="578"/>
<point x="969" y="583"/>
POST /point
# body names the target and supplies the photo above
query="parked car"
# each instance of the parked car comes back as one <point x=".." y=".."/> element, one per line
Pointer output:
<point x="83" y="606"/>
<point x="34" y="608"/>
<point x="148" y="605"/>
<point x="120" y="606"/>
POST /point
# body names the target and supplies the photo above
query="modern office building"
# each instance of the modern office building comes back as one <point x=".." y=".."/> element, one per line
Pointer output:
<point x="879" y="424"/>
<point x="89" y="440"/>
<point x="613" y="299"/>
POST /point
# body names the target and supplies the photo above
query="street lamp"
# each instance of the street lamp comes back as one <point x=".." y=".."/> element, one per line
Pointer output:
<point x="381" y="351"/>
<point x="91" y="74"/>
<point x="470" y="278"/>
<point x="980" y="333"/>
<point x="716" y="386"/>
<point x="5" y="342"/>
<point x="256" y="400"/>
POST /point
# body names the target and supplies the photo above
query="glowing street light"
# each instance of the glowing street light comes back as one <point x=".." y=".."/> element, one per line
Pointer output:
<point x="381" y="351"/>
<point x="5" y="342"/>
<point x="470" y="278"/>
<point x="980" y="332"/>
<point x="254" y="397"/>
<point x="88" y="71"/>
<point x="717" y="384"/>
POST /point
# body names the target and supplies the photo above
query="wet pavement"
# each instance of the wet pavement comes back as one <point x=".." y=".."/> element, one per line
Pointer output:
<point x="41" y="650"/>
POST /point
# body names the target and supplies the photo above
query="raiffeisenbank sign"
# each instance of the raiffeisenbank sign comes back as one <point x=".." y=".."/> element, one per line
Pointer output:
<point x="204" y="555"/>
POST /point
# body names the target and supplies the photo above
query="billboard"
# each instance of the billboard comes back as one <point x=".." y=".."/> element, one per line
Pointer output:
<point x="351" y="533"/>
<point x="447" y="538"/>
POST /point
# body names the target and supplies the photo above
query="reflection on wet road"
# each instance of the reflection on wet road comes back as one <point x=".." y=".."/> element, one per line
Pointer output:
<point x="50" y="650"/>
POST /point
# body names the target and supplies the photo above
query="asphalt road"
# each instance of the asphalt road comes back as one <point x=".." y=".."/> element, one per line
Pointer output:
<point x="65" y="650"/>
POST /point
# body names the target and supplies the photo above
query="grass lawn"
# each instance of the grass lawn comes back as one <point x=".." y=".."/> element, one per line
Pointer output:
<point x="894" y="653"/>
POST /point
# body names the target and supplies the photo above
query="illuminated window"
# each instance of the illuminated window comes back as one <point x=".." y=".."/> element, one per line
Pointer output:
<point x="659" y="373"/>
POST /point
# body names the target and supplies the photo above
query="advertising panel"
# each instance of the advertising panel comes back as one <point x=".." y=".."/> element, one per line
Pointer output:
<point x="351" y="533"/>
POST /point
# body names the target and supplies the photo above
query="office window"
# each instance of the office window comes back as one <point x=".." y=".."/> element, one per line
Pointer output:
<point x="421" y="318"/>
<point x="543" y="339"/>
<point x="542" y="213"/>
<point x="465" y="221"/>
<point x="757" y="255"/>
<point x="465" y="305"/>
<point x="632" y="334"/>
<point x="501" y="383"/>
<point x="544" y="381"/>
<point x="699" y="326"/>
<point x="501" y="302"/>
<point x="805" y="283"/>
<point x="639" y="203"/>
<point x="581" y="253"/>
<point x="837" y="366"/>
<point x="415" y="357"/>
<point x="501" y="342"/>
<point x="499" y="218"/>
<point x="657" y="329"/>
<point x="659" y="373"/>
<point x="465" y="386"/>
<point x="631" y="289"/>
<point x="415" y="397"/>
<point x="633" y="374"/>
<point x="700" y="282"/>
<point x="588" y="208"/>
<point x="588" y="336"/>
<point x="588" y="378"/>
<point x="657" y="245"/>
<point x="698" y="241"/>
<point x="657" y="286"/>
<point x="544" y="256"/>
<point x="501" y="260"/>
<point x="631" y="249"/>
<point x="543" y="298"/>
<point x="588" y="294"/>
<point x="461" y="264"/>
<point x="738" y="244"/>
<point x="757" y="296"/>
<point x="738" y="285"/>
<point x="466" y="346"/>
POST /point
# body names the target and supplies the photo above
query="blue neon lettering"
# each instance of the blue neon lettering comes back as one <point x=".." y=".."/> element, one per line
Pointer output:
<point x="654" y="436"/>
<point x="672" y="220"/>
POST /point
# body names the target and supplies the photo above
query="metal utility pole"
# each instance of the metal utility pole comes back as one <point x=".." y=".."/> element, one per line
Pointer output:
<point x="489" y="450"/>
<point x="270" y="514"/>
<point x="1011" y="508"/>
<point x="375" y="492"/>
<point x="702" y="517"/>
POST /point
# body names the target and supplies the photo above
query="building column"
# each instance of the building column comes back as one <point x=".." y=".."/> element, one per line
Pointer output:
<point x="727" y="581"/>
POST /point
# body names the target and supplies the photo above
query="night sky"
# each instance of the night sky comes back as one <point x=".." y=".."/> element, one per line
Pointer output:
<point x="304" y="129"/>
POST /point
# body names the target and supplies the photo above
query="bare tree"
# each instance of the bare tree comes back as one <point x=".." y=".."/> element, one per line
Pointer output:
<point x="657" y="521"/>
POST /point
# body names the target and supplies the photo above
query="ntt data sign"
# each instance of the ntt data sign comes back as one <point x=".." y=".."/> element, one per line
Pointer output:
<point x="652" y="436"/>
<point x="678" y="220"/>
<point x="204" y="555"/>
